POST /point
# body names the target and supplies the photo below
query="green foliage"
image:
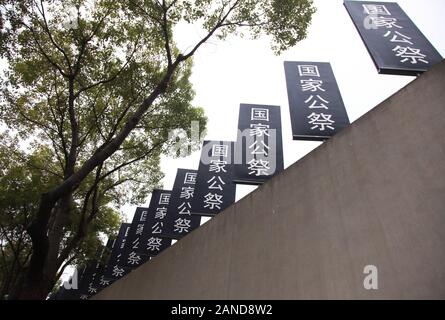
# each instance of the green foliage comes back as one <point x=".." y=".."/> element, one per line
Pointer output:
<point x="285" y="21"/>
<point x="22" y="180"/>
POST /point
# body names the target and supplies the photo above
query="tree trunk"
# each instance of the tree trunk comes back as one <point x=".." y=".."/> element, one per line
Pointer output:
<point x="57" y="231"/>
<point x="33" y="280"/>
<point x="33" y="287"/>
<point x="37" y="283"/>
<point x="5" y="285"/>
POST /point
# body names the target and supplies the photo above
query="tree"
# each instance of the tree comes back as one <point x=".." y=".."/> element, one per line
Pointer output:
<point x="96" y="87"/>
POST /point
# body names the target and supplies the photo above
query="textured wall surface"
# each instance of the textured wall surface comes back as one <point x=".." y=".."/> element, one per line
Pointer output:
<point x="373" y="194"/>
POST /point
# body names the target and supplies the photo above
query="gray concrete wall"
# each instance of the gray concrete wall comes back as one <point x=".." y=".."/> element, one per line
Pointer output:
<point x="373" y="194"/>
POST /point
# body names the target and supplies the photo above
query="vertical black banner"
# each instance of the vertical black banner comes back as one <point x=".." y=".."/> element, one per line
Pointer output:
<point x="98" y="282"/>
<point x="86" y="288"/>
<point x="104" y="280"/>
<point x="133" y="246"/>
<point x="85" y="281"/>
<point x="116" y="265"/>
<point x="214" y="189"/>
<point x="179" y="220"/>
<point x="316" y="107"/>
<point x="152" y="242"/>
<point x="259" y="146"/>
<point x="92" y="287"/>
<point x="143" y="239"/>
<point x="394" y="42"/>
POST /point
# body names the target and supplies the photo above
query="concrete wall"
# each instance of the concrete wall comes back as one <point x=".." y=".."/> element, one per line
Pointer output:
<point x="374" y="194"/>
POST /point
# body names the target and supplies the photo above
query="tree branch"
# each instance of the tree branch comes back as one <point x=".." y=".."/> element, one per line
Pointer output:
<point x="112" y="78"/>
<point x="72" y="155"/>
<point x="37" y="167"/>
<point x="81" y="230"/>
<point x="53" y="63"/>
<point x="165" y="32"/>
<point x="88" y="39"/>
<point x="48" y="32"/>
<point x="146" y="154"/>
<point x="62" y="118"/>
<point x="121" y="117"/>
<point x="218" y="25"/>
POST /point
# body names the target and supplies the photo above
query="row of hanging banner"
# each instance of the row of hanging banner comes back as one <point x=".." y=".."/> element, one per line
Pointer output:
<point x="317" y="113"/>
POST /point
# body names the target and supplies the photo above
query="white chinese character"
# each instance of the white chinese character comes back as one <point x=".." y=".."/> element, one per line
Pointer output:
<point x="315" y="104"/>
<point x="215" y="184"/>
<point x="154" y="243"/>
<point x="259" y="114"/>
<point x="182" y="225"/>
<point x="187" y="192"/>
<point x="157" y="227"/>
<point x="376" y="9"/>
<point x="217" y="166"/>
<point x="118" y="272"/>
<point x="190" y="177"/>
<point x="164" y="198"/>
<point x="402" y="39"/>
<point x="83" y="297"/>
<point x="160" y="213"/>
<point x="308" y="70"/>
<point x="384" y="22"/>
<point x="410" y="54"/>
<point x="311" y="85"/>
<point x="258" y="149"/>
<point x="143" y="216"/>
<point x="139" y="228"/>
<point x="258" y="167"/>
<point x="134" y="258"/>
<point x="184" y="208"/>
<point x="91" y="289"/>
<point x="219" y="150"/>
<point x="321" y="120"/>
<point x="136" y="243"/>
<point x="103" y="281"/>
<point x="258" y="129"/>
<point x="212" y="201"/>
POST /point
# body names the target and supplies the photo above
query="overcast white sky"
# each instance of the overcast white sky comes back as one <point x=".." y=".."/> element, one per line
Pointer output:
<point x="236" y="71"/>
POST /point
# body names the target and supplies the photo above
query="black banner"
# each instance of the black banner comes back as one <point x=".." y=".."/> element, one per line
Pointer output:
<point x="179" y="220"/>
<point x="132" y="252"/>
<point x="89" y="274"/>
<point x="85" y="285"/>
<point x="143" y="239"/>
<point x="394" y="42"/>
<point x="116" y="265"/>
<point x="316" y="107"/>
<point x="99" y="282"/>
<point x="153" y="243"/>
<point x="259" y="146"/>
<point x="103" y="280"/>
<point x="214" y="189"/>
